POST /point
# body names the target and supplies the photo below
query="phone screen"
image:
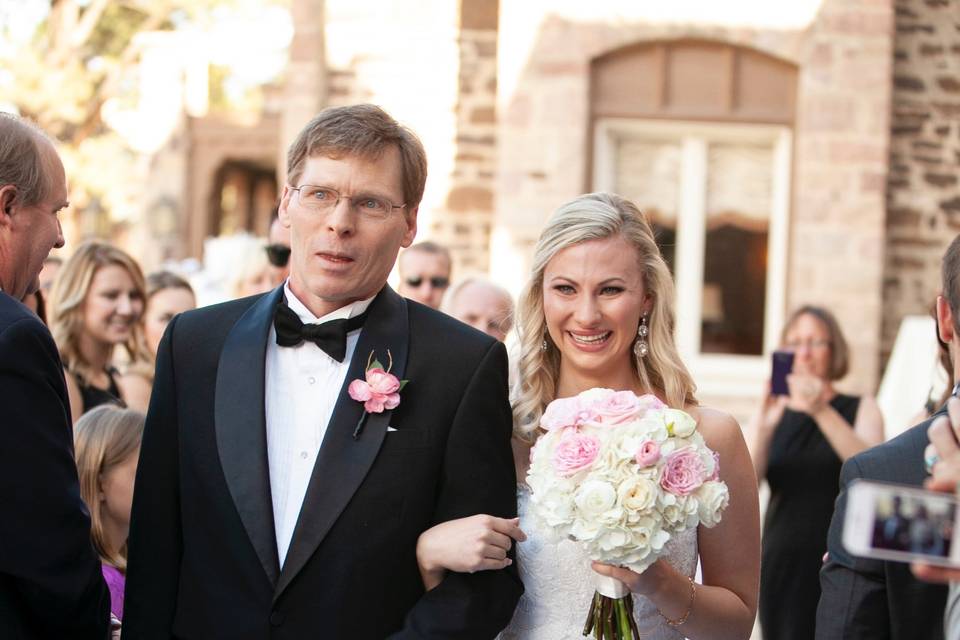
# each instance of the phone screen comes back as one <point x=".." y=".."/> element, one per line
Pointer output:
<point x="782" y="366"/>
<point x="900" y="523"/>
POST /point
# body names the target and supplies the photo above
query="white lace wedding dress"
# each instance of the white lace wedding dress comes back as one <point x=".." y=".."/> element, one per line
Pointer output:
<point x="558" y="583"/>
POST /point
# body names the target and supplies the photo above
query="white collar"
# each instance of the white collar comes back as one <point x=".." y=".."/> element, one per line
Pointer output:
<point x="306" y="316"/>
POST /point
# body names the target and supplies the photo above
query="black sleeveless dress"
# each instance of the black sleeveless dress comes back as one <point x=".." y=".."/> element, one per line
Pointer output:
<point x="804" y="473"/>
<point x="95" y="396"/>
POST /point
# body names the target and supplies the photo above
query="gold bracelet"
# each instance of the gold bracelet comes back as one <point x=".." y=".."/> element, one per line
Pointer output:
<point x="679" y="621"/>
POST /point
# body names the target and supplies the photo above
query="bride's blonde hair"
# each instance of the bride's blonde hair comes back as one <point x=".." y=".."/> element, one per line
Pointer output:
<point x="595" y="216"/>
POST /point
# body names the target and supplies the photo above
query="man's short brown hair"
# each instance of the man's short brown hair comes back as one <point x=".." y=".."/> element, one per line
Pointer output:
<point x="22" y="161"/>
<point x="950" y="279"/>
<point x="363" y="130"/>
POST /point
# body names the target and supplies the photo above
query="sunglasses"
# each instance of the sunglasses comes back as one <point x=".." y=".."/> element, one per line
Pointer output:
<point x="278" y="254"/>
<point x="438" y="282"/>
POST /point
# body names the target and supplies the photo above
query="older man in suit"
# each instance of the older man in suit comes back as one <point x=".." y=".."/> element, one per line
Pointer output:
<point x="865" y="598"/>
<point x="278" y="495"/>
<point x="50" y="580"/>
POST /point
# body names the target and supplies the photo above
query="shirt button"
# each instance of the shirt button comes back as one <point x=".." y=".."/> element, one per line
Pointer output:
<point x="312" y="380"/>
<point x="304" y="454"/>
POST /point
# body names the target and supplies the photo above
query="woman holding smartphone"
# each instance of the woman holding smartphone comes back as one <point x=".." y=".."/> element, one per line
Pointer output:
<point x="800" y="441"/>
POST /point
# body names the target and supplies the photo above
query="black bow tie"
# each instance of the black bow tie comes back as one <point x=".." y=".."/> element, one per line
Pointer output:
<point x="330" y="336"/>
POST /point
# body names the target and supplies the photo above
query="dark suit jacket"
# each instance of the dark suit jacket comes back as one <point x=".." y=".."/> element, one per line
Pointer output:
<point x="203" y="555"/>
<point x="50" y="580"/>
<point x="865" y="598"/>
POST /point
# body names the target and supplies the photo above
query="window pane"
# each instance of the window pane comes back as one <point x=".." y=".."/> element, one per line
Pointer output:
<point x="739" y="188"/>
<point x="648" y="173"/>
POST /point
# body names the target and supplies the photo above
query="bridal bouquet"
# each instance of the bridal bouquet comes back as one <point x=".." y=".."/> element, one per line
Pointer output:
<point x="621" y="474"/>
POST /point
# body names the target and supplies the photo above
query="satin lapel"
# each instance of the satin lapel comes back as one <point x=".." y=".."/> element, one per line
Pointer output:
<point x="240" y="420"/>
<point x="343" y="462"/>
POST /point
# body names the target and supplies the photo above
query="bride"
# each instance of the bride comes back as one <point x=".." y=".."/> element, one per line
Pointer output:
<point x="598" y="277"/>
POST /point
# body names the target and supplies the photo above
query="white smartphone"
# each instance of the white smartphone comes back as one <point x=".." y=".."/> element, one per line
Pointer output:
<point x="901" y="523"/>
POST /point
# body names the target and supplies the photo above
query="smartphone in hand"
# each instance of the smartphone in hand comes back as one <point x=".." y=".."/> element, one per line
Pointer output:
<point x="782" y="366"/>
<point x="901" y="523"/>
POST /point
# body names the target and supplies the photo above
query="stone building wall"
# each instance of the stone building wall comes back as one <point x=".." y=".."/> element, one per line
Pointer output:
<point x="923" y="187"/>
<point x="843" y="53"/>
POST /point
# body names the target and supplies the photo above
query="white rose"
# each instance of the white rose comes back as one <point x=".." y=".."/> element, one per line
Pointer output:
<point x="653" y="426"/>
<point x="683" y="423"/>
<point x="594" y="497"/>
<point x="714" y="498"/>
<point x="638" y="494"/>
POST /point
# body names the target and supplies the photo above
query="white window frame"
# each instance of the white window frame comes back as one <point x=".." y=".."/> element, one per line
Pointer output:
<point x="716" y="374"/>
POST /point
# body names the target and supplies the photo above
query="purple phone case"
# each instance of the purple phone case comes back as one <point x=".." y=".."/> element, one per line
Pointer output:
<point x="782" y="365"/>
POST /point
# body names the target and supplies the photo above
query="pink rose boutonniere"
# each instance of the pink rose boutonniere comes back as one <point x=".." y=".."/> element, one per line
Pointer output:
<point x="378" y="391"/>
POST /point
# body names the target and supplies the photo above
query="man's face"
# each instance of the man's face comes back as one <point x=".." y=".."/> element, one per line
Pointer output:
<point x="340" y="256"/>
<point x="484" y="308"/>
<point x="28" y="233"/>
<point x="424" y="277"/>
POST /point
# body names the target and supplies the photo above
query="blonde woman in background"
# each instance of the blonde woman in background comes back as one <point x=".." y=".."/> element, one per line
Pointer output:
<point x="598" y="276"/>
<point x="253" y="273"/>
<point x="96" y="305"/>
<point x="167" y="295"/>
<point x="107" y="444"/>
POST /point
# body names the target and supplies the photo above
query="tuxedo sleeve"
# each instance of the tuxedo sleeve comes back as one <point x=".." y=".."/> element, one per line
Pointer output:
<point x="47" y="561"/>
<point x="853" y="591"/>
<point x="155" y="544"/>
<point x="478" y="477"/>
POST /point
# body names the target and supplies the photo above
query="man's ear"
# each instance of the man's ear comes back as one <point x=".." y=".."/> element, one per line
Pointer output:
<point x="8" y="200"/>
<point x="411" y="233"/>
<point x="282" y="208"/>
<point x="944" y="320"/>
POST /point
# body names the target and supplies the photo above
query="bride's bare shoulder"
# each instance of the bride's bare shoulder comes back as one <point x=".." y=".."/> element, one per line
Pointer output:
<point x="718" y="428"/>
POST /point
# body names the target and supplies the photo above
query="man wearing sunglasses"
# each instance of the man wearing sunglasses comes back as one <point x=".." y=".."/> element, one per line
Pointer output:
<point x="425" y="273"/>
<point x="278" y="252"/>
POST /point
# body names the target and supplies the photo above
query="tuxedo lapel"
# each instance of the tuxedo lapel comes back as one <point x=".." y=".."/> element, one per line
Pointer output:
<point x="240" y="420"/>
<point x="343" y="461"/>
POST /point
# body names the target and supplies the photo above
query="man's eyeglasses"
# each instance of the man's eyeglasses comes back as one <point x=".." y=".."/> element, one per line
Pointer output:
<point x="325" y="199"/>
<point x="278" y="254"/>
<point x="438" y="282"/>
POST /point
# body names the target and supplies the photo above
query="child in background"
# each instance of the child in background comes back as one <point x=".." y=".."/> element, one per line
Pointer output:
<point x="107" y="442"/>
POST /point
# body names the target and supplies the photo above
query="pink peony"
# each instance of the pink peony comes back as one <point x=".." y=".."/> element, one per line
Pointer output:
<point x="566" y="412"/>
<point x="377" y="392"/>
<point x="616" y="408"/>
<point x="683" y="472"/>
<point x="575" y="451"/>
<point x="648" y="453"/>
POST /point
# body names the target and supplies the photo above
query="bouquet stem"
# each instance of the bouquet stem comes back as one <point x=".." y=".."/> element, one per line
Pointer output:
<point x="611" y="612"/>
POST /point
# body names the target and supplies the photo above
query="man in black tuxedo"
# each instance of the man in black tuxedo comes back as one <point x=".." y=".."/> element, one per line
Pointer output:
<point x="268" y="503"/>
<point x="50" y="580"/>
<point x="865" y="598"/>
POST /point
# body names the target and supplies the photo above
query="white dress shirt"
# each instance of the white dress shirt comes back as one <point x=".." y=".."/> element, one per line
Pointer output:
<point x="300" y="391"/>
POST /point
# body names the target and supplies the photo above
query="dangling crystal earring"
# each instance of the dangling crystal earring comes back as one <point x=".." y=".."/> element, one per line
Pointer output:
<point x="543" y="345"/>
<point x="640" y="347"/>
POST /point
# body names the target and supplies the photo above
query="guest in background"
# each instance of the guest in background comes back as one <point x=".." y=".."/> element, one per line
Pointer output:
<point x="35" y="302"/>
<point x="253" y="274"/>
<point x="50" y="581"/>
<point x="481" y="304"/>
<point x="799" y="443"/>
<point x="107" y="442"/>
<point x="278" y="252"/>
<point x="866" y="598"/>
<point x="167" y="295"/>
<point x="51" y="267"/>
<point x="425" y="273"/>
<point x="96" y="305"/>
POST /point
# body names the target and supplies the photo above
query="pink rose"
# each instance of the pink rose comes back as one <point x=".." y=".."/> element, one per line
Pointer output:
<point x="566" y="412"/>
<point x="649" y="402"/>
<point x="617" y="408"/>
<point x="377" y="392"/>
<point x="683" y="472"/>
<point x="575" y="451"/>
<point x="648" y="453"/>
